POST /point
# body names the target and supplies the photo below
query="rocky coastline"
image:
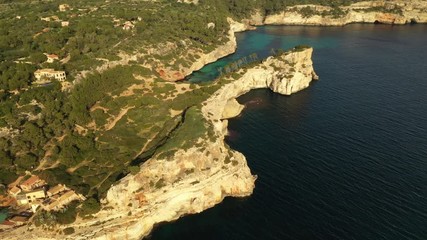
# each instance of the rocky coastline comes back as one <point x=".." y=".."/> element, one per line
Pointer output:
<point x="196" y="179"/>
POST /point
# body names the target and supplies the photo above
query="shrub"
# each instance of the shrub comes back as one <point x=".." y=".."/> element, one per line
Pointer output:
<point x="69" y="230"/>
<point x="89" y="207"/>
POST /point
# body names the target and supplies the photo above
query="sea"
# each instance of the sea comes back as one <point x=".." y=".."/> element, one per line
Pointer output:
<point x="345" y="158"/>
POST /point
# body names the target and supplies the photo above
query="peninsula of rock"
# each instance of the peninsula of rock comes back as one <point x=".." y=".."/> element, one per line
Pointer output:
<point x="191" y="180"/>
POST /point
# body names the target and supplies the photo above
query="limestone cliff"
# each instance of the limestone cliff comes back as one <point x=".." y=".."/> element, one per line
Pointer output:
<point x="285" y="74"/>
<point x="387" y="12"/>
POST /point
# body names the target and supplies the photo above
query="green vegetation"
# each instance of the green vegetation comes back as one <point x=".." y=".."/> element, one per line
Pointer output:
<point x="89" y="207"/>
<point x="301" y="47"/>
<point x="334" y="12"/>
<point x="395" y="10"/>
<point x="69" y="230"/>
<point x="67" y="215"/>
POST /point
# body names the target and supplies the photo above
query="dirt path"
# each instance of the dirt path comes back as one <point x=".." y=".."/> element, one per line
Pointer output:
<point x="44" y="161"/>
<point x="113" y="123"/>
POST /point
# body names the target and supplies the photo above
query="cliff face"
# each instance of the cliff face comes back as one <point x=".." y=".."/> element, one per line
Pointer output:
<point x="386" y="12"/>
<point x="168" y="188"/>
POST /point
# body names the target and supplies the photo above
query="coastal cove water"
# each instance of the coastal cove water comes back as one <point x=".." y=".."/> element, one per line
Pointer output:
<point x="345" y="158"/>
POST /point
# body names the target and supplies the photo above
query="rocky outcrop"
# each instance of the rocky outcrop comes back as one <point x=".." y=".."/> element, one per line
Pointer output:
<point x="387" y="12"/>
<point x="232" y="109"/>
<point x="285" y="74"/>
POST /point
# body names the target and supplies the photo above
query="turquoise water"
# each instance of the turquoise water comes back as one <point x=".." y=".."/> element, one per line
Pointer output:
<point x="262" y="42"/>
<point x="343" y="159"/>
<point x="3" y="215"/>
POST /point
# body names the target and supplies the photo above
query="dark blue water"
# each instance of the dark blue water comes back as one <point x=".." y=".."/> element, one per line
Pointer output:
<point x="344" y="159"/>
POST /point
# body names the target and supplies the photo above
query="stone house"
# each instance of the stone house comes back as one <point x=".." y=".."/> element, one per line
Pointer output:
<point x="19" y="220"/>
<point x="21" y="199"/>
<point x="49" y="73"/>
<point x="14" y="191"/>
<point x="62" y="200"/>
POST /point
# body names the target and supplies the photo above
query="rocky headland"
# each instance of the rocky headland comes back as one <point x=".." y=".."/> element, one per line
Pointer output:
<point x="191" y="180"/>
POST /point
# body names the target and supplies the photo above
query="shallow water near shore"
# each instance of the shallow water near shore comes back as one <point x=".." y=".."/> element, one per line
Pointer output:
<point x="3" y="215"/>
<point x="345" y="158"/>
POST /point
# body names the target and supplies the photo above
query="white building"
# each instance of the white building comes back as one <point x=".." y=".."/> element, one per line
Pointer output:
<point x="47" y="73"/>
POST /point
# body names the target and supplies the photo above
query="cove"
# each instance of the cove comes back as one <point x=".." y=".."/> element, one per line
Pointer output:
<point x="343" y="159"/>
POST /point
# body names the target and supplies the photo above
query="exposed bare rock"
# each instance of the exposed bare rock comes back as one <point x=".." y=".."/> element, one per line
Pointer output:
<point x="232" y="109"/>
